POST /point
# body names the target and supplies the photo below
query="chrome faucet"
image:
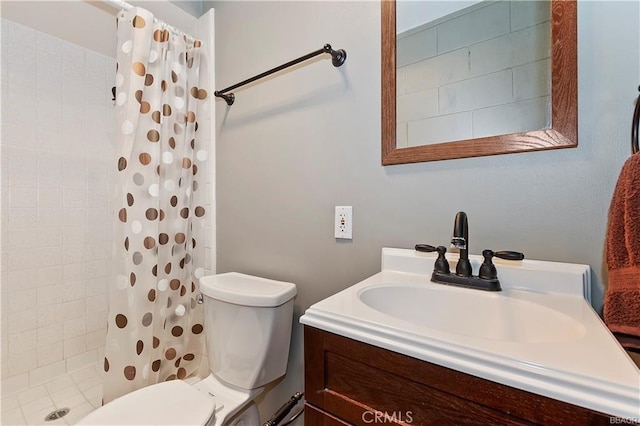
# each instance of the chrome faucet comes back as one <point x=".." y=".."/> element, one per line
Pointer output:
<point x="487" y="278"/>
<point x="460" y="240"/>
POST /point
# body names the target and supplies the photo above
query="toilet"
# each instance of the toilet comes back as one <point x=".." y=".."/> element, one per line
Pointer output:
<point x="247" y="331"/>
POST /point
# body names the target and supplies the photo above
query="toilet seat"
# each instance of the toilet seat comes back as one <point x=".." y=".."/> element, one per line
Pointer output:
<point x="168" y="403"/>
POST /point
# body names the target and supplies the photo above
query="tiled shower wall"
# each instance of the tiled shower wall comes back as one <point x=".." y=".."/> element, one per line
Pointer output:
<point x="481" y="72"/>
<point x="57" y="164"/>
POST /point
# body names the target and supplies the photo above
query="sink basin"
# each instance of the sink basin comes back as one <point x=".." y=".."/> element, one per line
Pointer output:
<point x="540" y="334"/>
<point x="474" y="313"/>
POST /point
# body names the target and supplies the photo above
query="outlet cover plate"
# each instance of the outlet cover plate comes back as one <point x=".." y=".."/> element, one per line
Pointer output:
<point x="344" y="222"/>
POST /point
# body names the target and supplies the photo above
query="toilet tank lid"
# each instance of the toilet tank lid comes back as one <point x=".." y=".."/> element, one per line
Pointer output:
<point x="247" y="290"/>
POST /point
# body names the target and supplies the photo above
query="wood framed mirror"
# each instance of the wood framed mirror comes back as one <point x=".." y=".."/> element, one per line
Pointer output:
<point x="561" y="132"/>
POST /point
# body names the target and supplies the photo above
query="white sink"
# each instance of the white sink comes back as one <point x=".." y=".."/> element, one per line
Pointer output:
<point x="495" y="316"/>
<point x="540" y="334"/>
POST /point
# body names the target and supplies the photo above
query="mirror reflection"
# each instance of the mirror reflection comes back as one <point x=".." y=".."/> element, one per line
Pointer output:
<point x="483" y="69"/>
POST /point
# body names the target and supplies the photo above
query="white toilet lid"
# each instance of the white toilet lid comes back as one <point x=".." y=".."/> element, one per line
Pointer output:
<point x="167" y="403"/>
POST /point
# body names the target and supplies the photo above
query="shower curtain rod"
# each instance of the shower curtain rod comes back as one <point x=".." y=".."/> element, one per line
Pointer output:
<point x="337" y="59"/>
<point x="120" y="4"/>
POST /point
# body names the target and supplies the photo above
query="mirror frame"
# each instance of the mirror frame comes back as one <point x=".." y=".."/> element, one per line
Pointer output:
<point x="563" y="132"/>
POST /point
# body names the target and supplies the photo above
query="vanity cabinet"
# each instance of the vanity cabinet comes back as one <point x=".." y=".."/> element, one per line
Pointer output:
<point x="353" y="383"/>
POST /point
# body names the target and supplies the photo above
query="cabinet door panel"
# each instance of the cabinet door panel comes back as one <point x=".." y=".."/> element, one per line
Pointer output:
<point x="396" y="401"/>
<point x="316" y="417"/>
<point x="364" y="384"/>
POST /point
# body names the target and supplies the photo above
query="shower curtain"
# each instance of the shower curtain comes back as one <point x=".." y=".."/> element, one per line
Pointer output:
<point x="155" y="327"/>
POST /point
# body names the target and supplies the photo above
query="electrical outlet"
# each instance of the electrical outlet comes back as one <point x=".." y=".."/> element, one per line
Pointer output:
<point x="344" y="222"/>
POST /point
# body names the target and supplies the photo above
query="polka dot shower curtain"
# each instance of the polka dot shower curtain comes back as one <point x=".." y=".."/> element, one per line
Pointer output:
<point x="154" y="324"/>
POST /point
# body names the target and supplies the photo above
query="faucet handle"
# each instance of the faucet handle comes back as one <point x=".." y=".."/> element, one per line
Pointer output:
<point x="508" y="255"/>
<point x="441" y="265"/>
<point x="488" y="270"/>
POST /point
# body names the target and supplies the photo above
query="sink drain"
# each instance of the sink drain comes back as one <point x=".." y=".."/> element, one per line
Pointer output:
<point x="55" y="415"/>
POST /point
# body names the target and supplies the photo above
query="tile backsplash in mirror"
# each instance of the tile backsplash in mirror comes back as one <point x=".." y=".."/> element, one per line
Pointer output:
<point x="459" y="78"/>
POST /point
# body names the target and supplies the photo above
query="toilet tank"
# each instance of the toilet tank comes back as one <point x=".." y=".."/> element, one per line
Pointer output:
<point x="247" y="327"/>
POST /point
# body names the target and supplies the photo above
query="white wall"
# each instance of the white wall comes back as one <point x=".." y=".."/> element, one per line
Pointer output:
<point x="296" y="145"/>
<point x="57" y="150"/>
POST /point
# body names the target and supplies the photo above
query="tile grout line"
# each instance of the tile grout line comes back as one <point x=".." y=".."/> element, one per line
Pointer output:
<point x="73" y="384"/>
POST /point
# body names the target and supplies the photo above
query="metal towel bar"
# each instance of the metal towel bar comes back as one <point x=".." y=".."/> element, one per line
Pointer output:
<point x="338" y="58"/>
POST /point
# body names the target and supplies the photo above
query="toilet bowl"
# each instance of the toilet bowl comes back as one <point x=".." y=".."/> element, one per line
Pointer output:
<point x="247" y="331"/>
<point x="247" y="417"/>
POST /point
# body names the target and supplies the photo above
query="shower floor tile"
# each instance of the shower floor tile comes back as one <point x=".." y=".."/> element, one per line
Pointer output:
<point x="81" y="391"/>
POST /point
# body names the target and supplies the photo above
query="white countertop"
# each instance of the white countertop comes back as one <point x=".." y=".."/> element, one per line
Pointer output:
<point x="589" y="369"/>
